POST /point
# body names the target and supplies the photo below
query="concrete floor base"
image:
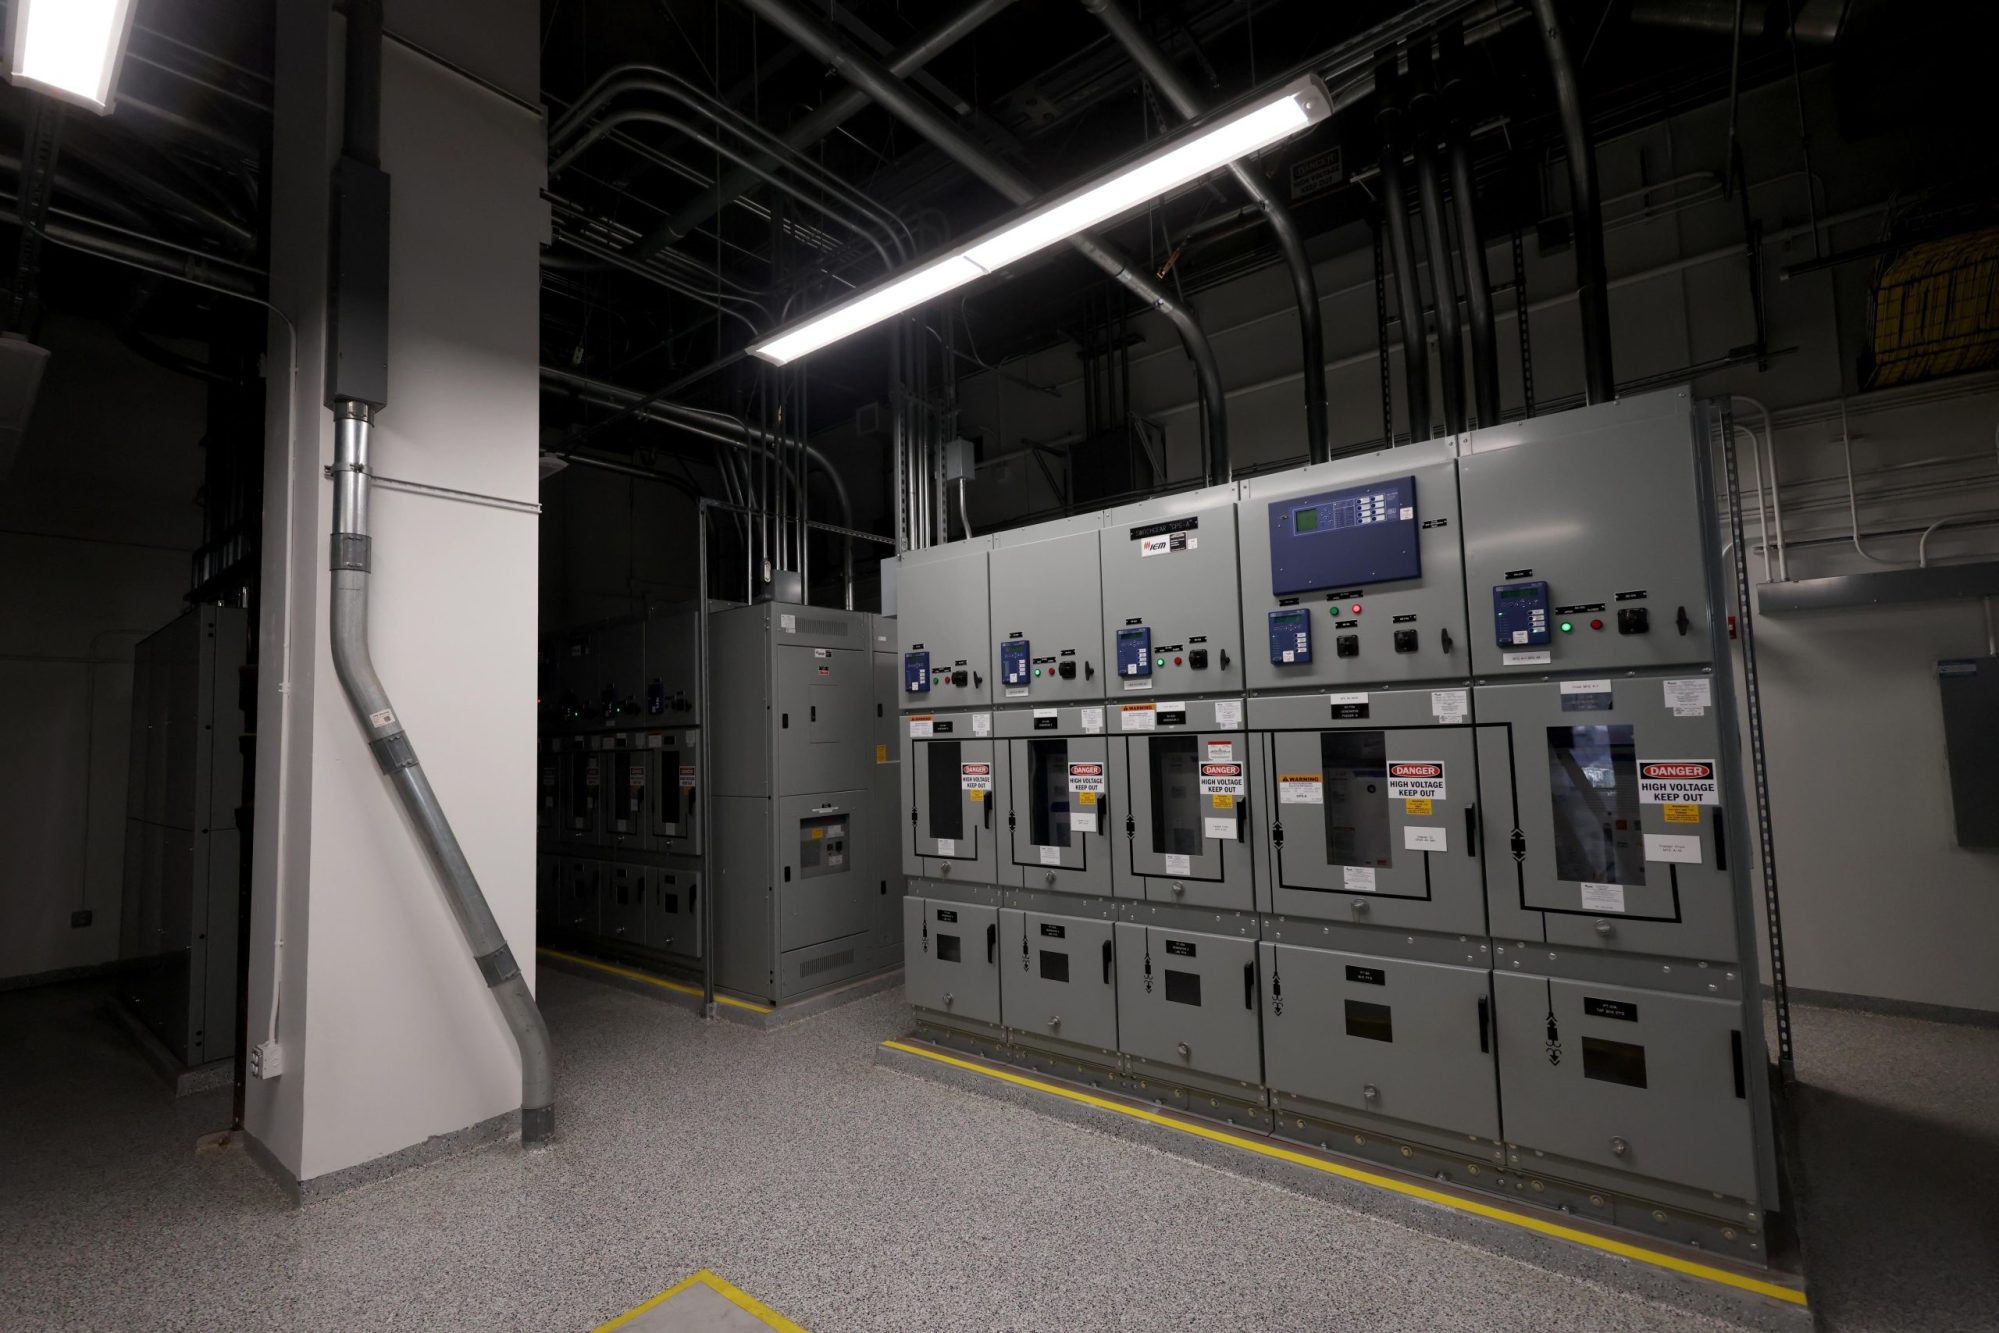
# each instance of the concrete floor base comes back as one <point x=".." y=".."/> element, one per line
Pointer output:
<point x="688" y="995"/>
<point x="185" y="1080"/>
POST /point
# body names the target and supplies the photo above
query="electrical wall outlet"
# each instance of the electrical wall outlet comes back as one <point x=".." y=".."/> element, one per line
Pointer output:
<point x="267" y="1060"/>
<point x="79" y="918"/>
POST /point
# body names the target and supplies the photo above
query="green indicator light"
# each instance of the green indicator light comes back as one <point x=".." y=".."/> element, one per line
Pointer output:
<point x="1037" y="670"/>
<point x="1159" y="661"/>
<point x="1566" y="627"/>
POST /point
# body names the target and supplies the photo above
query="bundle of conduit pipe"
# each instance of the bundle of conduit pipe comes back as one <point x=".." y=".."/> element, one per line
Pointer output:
<point x="357" y="389"/>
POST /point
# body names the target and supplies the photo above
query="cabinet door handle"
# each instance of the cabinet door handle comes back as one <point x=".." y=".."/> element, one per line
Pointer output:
<point x="1249" y="984"/>
<point x="1471" y="830"/>
<point x="1107" y="962"/>
<point x="1720" y="840"/>
<point x="1484" y="1025"/>
<point x="992" y="938"/>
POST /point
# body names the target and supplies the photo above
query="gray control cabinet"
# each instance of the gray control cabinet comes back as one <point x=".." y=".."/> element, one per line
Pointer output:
<point x="1183" y="766"/>
<point x="1063" y="808"/>
<point x="673" y="911"/>
<point x="1047" y="615"/>
<point x="951" y="953"/>
<point x="886" y="819"/>
<point x="1379" y="596"/>
<point x="944" y="627"/>
<point x="1058" y="980"/>
<point x="1172" y="621"/>
<point x="674" y="804"/>
<point x="954" y="790"/>
<point x="1187" y="1000"/>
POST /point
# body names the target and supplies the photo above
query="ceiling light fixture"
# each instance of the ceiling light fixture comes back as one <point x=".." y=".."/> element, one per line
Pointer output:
<point x="1194" y="153"/>
<point x="71" y="48"/>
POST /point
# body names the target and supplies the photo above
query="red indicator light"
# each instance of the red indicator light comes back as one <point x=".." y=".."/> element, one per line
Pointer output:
<point x="1356" y="608"/>
<point x="1176" y="661"/>
<point x="1596" y="624"/>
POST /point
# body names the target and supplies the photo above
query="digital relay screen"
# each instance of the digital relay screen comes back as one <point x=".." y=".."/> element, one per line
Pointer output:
<point x="1350" y="537"/>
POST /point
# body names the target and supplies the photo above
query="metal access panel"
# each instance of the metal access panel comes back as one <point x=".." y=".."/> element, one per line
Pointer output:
<point x="1188" y="1000"/>
<point x="631" y="786"/>
<point x="1172" y="619"/>
<point x="1382" y="595"/>
<point x="1969" y="690"/>
<point x="823" y="890"/>
<point x="951" y="792"/>
<point x="1601" y="517"/>
<point x="740" y="895"/>
<point x="1047" y="621"/>
<point x="887" y="812"/>
<point x="1409" y="1040"/>
<point x="951" y="958"/>
<point x="825" y="711"/>
<point x="626" y="890"/>
<point x="547" y="893"/>
<point x="580" y="910"/>
<point x="673" y="911"/>
<point x="548" y="788"/>
<point x="1607" y="816"/>
<point x="1369" y="809"/>
<point x="1187" y="818"/>
<point x="1062" y="803"/>
<point x="672" y="667"/>
<point x="1635" y="1080"/>
<point x="582" y="790"/>
<point x="944" y="627"/>
<point x="1058" y="978"/>
<point x="674" y="805"/>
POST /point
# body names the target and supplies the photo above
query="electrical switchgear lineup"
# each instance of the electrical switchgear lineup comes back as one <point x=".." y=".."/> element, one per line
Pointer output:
<point x="1389" y="804"/>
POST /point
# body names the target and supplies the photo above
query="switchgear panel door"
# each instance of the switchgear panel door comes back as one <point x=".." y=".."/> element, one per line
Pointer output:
<point x="1047" y="621"/>
<point x="582" y="795"/>
<point x="629" y="788"/>
<point x="582" y="896"/>
<point x="1606" y="827"/>
<point x="951" y="958"/>
<point x="1058" y="978"/>
<point x="1369" y="811"/>
<point x="1606" y="507"/>
<point x="951" y="787"/>
<point x="1408" y="1040"/>
<point x="825" y="706"/>
<point x="1187" y="1000"/>
<point x="943" y="629"/>
<point x="548" y="788"/>
<point x="626" y="888"/>
<point x="673" y="912"/>
<point x="674" y="809"/>
<point x="1171" y="590"/>
<point x="1635" y="1080"/>
<point x="1060" y="811"/>
<point x="824" y="892"/>
<point x="1186" y="820"/>
<point x="547" y="892"/>
<point x="1362" y="556"/>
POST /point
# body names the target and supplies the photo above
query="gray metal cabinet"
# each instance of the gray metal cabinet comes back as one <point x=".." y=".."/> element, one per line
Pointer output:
<point x="1635" y="1080"/>
<point x="581" y="907"/>
<point x="582" y="790"/>
<point x="547" y="893"/>
<point x="1047" y="617"/>
<point x="1058" y="977"/>
<point x="548" y="788"/>
<point x="951" y="773"/>
<point x="673" y="810"/>
<point x="1186" y="823"/>
<point x="1172" y="618"/>
<point x="825" y="698"/>
<point x="626" y="888"/>
<point x="1583" y="833"/>
<point x="951" y="958"/>
<point x="944" y="631"/>
<point x="1369" y="811"/>
<point x="1187" y="1000"/>
<point x="1062" y="803"/>
<point x="822" y="857"/>
<point x="1408" y="1040"/>
<point x="673" y="911"/>
<point x="630" y="785"/>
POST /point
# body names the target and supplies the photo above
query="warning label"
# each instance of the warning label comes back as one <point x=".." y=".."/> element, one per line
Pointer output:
<point x="1222" y="780"/>
<point x="1678" y="782"/>
<point x="1301" y="789"/>
<point x="1682" y="814"/>
<point x="1086" y="782"/>
<point x="976" y="778"/>
<point x="1137" y="717"/>
<point x="1415" y="780"/>
<point x="687" y="775"/>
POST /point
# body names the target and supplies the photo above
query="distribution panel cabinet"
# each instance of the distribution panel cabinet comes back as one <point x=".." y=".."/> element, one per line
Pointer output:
<point x="1047" y="637"/>
<point x="885" y="824"/>
<point x="952" y="784"/>
<point x="1183" y="768"/>
<point x="1062" y="804"/>
<point x="944" y="627"/>
<point x="1172" y="621"/>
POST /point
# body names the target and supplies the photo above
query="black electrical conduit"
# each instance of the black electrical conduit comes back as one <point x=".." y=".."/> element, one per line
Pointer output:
<point x="869" y="75"/>
<point x="1464" y="197"/>
<point x="361" y="288"/>
<point x="1437" y="241"/>
<point x="1402" y="251"/>
<point x="1585" y="210"/>
<point x="1305" y="284"/>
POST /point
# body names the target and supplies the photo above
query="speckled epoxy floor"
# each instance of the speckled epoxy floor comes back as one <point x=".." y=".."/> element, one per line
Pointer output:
<point x="852" y="1197"/>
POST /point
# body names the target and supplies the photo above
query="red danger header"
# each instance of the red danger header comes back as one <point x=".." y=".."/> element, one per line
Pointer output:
<point x="1678" y="770"/>
<point x="1087" y="770"/>
<point x="1221" y="770"/>
<point x="977" y="770"/>
<point x="1415" y="770"/>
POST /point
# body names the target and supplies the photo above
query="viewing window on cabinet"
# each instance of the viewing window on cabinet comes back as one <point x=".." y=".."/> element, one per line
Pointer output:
<point x="669" y="793"/>
<point x="1048" y="793"/>
<point x="1593" y="791"/>
<point x="1355" y="765"/>
<point x="947" y="807"/>
<point x="1175" y="765"/>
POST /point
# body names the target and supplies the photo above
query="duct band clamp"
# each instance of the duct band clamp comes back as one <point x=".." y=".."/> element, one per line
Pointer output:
<point x="498" y="966"/>
<point x="394" y="752"/>
<point x="350" y="551"/>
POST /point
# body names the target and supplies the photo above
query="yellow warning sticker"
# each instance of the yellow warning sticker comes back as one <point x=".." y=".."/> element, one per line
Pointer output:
<point x="881" y="754"/>
<point x="816" y="834"/>
<point x="1086" y="798"/>
<point x="1223" y="801"/>
<point x="1417" y="805"/>
<point x="1682" y="814"/>
<point x="977" y="795"/>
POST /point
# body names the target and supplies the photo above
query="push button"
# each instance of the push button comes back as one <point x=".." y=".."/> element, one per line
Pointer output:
<point x="1347" y="645"/>
<point x="1405" y="641"/>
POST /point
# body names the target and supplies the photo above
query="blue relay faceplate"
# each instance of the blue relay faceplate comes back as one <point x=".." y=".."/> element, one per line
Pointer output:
<point x="1013" y="662"/>
<point x="1291" y="636"/>
<point x="1520" y="614"/>
<point x="1134" y="651"/>
<point x="916" y="673"/>
<point x="1347" y="538"/>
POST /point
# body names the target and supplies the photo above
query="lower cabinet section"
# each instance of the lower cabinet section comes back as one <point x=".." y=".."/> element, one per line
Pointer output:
<point x="625" y="891"/>
<point x="1408" y="1040"/>
<point x="1634" y="1080"/>
<point x="951" y="958"/>
<point x="1058" y="978"/>
<point x="673" y="912"/>
<point x="581" y="903"/>
<point x="1187" y="1000"/>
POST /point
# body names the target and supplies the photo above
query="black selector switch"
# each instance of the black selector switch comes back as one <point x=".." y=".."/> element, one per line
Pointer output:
<point x="1633" y="620"/>
<point x="957" y="678"/>
<point x="1067" y="670"/>
<point x="1347" y="645"/>
<point x="1405" y="641"/>
<point x="1197" y="658"/>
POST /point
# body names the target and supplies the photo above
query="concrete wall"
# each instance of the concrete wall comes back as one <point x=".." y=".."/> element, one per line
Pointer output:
<point x="388" y="1032"/>
<point x="98" y="518"/>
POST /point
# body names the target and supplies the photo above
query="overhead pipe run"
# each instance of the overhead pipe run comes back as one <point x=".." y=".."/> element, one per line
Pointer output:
<point x="1305" y="284"/>
<point x="1437" y="241"/>
<point x="1585" y="210"/>
<point x="1402" y="251"/>
<point x="1464" y="198"/>
<point x="873" y="79"/>
<point x="357" y="388"/>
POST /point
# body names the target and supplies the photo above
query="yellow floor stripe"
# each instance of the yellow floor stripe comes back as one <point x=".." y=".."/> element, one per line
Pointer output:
<point x="722" y="1287"/>
<point x="633" y="974"/>
<point x="1656" y="1258"/>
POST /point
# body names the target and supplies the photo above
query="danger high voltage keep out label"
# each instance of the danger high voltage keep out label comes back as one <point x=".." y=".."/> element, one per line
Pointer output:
<point x="1678" y="782"/>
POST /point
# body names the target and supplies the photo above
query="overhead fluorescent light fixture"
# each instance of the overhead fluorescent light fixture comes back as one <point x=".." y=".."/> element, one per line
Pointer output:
<point x="1189" y="156"/>
<point x="71" y="48"/>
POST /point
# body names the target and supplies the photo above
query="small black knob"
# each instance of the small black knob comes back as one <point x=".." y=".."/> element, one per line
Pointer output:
<point x="1197" y="658"/>
<point x="1405" y="641"/>
<point x="1347" y="645"/>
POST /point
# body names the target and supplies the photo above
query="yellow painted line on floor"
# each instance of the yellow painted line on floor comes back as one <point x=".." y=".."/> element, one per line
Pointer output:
<point x="722" y="1287"/>
<point x="1624" y="1249"/>
<point x="633" y="974"/>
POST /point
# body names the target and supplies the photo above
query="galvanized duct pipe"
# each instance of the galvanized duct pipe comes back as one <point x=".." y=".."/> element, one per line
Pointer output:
<point x="1304" y="283"/>
<point x="1437" y="240"/>
<point x="872" y="78"/>
<point x="1464" y="197"/>
<point x="1585" y="210"/>
<point x="1402" y="251"/>
<point x="357" y="388"/>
